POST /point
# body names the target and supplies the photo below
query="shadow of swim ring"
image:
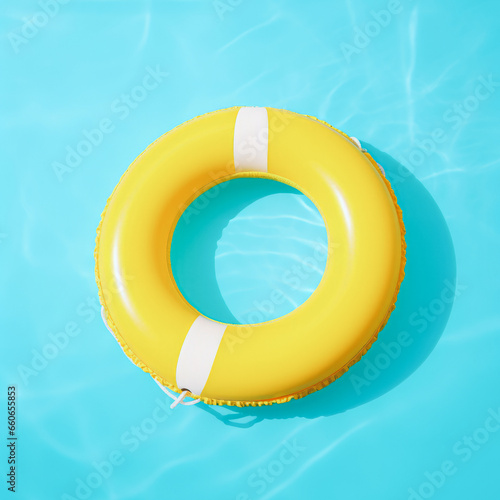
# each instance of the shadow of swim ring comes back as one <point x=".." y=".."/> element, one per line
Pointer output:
<point x="415" y="326"/>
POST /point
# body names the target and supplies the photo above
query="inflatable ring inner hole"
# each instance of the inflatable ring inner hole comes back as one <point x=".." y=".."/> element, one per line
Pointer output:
<point x="248" y="250"/>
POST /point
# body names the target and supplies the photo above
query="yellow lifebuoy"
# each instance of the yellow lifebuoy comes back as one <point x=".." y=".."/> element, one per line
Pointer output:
<point x="282" y="359"/>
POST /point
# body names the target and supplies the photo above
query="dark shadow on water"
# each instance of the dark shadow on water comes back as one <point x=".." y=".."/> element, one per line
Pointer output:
<point x="422" y="311"/>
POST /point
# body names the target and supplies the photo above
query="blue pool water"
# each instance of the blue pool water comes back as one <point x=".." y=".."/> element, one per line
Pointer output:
<point x="417" y="82"/>
<point x="249" y="250"/>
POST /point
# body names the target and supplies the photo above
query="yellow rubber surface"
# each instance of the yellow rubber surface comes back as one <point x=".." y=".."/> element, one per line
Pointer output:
<point x="267" y="362"/>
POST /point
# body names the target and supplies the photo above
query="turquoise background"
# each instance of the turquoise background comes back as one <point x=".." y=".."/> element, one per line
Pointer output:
<point x="418" y="417"/>
<point x="249" y="250"/>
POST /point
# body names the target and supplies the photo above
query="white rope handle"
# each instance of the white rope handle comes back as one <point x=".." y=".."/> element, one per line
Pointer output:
<point x="358" y="144"/>
<point x="356" y="141"/>
<point x="178" y="398"/>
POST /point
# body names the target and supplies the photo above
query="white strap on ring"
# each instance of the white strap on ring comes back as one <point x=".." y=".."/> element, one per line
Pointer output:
<point x="198" y="353"/>
<point x="250" y="139"/>
<point x="178" y="399"/>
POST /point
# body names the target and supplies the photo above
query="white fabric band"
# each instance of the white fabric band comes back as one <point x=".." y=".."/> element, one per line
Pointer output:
<point x="251" y="135"/>
<point x="198" y="354"/>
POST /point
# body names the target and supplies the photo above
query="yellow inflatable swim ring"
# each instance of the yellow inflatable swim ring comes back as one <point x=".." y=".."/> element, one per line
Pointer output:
<point x="282" y="359"/>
